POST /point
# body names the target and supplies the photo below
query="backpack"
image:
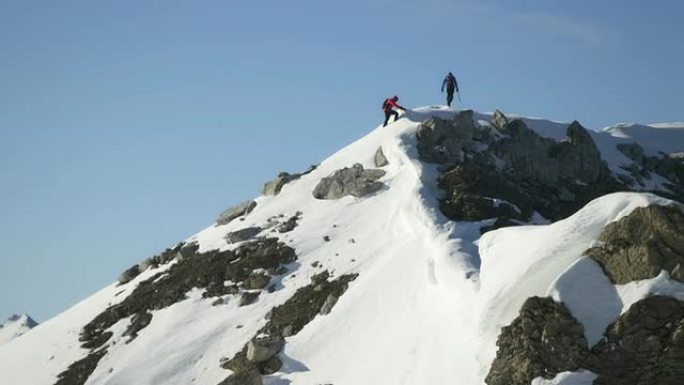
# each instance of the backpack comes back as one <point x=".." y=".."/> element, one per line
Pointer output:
<point x="384" y="104"/>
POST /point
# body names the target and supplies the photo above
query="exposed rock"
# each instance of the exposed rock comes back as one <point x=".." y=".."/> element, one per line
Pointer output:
<point x="78" y="372"/>
<point x="534" y="173"/>
<point x="250" y="377"/>
<point x="242" y="234"/>
<point x="243" y="208"/>
<point x="380" y="159"/>
<point x="271" y="365"/>
<point x="669" y="166"/>
<point x="257" y="281"/>
<point x="644" y="346"/>
<point x="354" y="181"/>
<point x="642" y="244"/>
<point x="138" y="322"/>
<point x="442" y="141"/>
<point x="288" y="225"/>
<point x="326" y="238"/>
<point x="499" y="120"/>
<point x="248" y="298"/>
<point x="129" y="274"/>
<point x="208" y="270"/>
<point x="189" y="249"/>
<point x="262" y="349"/>
<point x="544" y="340"/>
<point x="273" y="187"/>
<point x="330" y="301"/>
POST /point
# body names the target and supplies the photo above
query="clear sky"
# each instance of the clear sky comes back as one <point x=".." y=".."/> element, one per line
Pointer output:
<point x="129" y="125"/>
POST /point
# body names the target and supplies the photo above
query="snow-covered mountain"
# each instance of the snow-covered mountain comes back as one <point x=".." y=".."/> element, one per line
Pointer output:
<point x="15" y="326"/>
<point x="446" y="248"/>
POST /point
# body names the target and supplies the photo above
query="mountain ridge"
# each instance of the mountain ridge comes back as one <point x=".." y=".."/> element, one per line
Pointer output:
<point x="418" y="273"/>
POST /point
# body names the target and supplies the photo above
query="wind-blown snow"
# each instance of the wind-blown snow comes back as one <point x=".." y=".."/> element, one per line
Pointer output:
<point x="427" y="306"/>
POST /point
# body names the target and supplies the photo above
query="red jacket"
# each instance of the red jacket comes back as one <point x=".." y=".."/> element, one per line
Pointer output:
<point x="389" y="104"/>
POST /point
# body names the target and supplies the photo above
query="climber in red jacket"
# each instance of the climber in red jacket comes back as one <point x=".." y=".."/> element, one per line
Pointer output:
<point x="388" y="106"/>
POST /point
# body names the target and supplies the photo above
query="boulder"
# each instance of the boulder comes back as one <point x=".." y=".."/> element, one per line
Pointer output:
<point x="262" y="349"/>
<point x="642" y="244"/>
<point x="273" y="187"/>
<point x="354" y="181"/>
<point x="380" y="159"/>
<point x="543" y="341"/>
<point x="129" y="274"/>
<point x="248" y="298"/>
<point x="257" y="281"/>
<point x="242" y="234"/>
<point x="243" y="208"/>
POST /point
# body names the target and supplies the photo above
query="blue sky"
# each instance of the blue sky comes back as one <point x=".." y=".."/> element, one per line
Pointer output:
<point x="129" y="125"/>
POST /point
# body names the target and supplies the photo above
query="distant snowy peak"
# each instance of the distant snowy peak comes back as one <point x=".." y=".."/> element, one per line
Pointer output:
<point x="15" y="326"/>
<point x="654" y="138"/>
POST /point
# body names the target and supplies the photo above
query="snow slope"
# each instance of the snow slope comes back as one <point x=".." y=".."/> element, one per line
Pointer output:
<point x="426" y="307"/>
<point x="16" y="326"/>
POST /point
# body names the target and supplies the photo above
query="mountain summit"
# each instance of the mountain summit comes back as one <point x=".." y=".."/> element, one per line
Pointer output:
<point x="446" y="248"/>
<point x="15" y="326"/>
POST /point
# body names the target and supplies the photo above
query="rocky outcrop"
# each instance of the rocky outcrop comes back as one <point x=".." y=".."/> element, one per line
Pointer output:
<point x="442" y="141"/>
<point x="242" y="234"/>
<point x="237" y="211"/>
<point x="644" y="346"/>
<point x="273" y="187"/>
<point x="288" y="319"/>
<point x="544" y="340"/>
<point x="668" y="166"/>
<point x="354" y="181"/>
<point x="380" y="159"/>
<point x="249" y="264"/>
<point x="514" y="172"/>
<point x="499" y="120"/>
<point x="642" y="244"/>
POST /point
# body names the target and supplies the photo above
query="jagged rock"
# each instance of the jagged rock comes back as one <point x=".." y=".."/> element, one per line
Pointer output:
<point x="248" y="298"/>
<point x="242" y="234"/>
<point x="644" y="346"/>
<point x="441" y="141"/>
<point x="330" y="301"/>
<point x="522" y="168"/>
<point x="354" y="181"/>
<point x="544" y="340"/>
<point x="380" y="159"/>
<point x="78" y="372"/>
<point x="499" y="120"/>
<point x="262" y="349"/>
<point x="642" y="244"/>
<point x="243" y="208"/>
<point x="129" y="274"/>
<point x="250" y="377"/>
<point x="257" y="281"/>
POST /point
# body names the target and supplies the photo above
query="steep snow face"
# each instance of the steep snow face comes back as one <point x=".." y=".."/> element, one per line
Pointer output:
<point x="16" y="326"/>
<point x="426" y="308"/>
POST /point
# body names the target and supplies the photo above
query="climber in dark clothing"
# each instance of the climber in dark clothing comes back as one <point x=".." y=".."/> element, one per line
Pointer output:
<point x="388" y="106"/>
<point x="451" y="84"/>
